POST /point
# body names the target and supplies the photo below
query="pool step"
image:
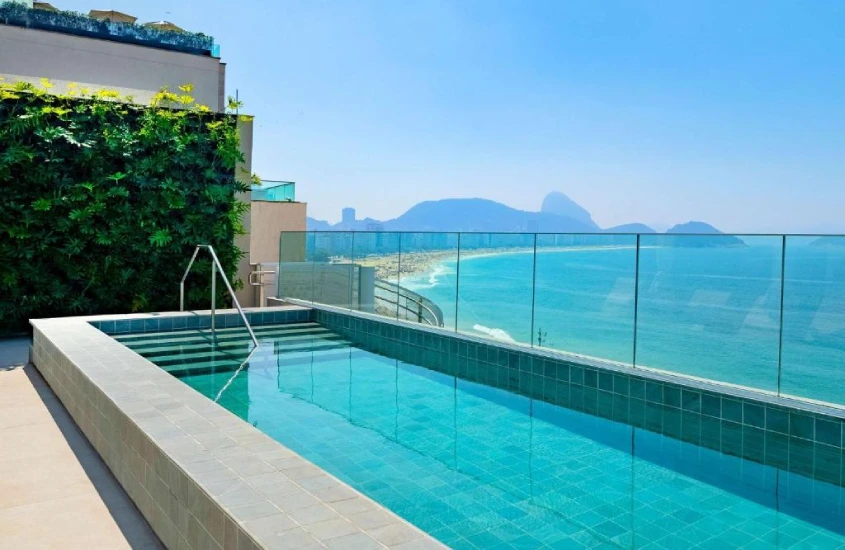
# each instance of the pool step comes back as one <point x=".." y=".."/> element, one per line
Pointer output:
<point x="243" y="340"/>
<point x="316" y="354"/>
<point x="171" y="358"/>
<point x="152" y="339"/>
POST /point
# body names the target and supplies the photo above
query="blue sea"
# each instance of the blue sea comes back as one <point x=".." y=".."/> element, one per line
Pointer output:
<point x="707" y="312"/>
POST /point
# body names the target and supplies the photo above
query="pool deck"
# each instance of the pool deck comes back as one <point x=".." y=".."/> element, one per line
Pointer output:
<point x="56" y="491"/>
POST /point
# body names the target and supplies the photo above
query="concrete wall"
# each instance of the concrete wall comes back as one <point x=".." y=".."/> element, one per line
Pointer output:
<point x="345" y="285"/>
<point x="269" y="219"/>
<point x="141" y="71"/>
<point x="246" y="295"/>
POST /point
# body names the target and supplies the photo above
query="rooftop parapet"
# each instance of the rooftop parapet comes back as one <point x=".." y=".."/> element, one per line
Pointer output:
<point x="156" y="36"/>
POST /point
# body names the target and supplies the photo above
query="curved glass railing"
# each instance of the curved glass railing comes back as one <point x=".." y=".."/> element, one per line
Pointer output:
<point x="759" y="311"/>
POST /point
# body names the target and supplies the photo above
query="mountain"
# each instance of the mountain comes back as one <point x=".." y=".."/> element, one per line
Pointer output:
<point x="484" y="216"/>
<point x="630" y="228"/>
<point x="559" y="204"/>
<point x="317" y="225"/>
<point x="683" y="238"/>
<point x="558" y="214"/>
<point x="696" y="228"/>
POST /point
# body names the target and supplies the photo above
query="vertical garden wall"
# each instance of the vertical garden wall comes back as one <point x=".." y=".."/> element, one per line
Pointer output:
<point x="102" y="201"/>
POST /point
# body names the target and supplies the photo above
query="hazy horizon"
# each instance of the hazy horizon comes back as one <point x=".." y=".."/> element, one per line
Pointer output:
<point x="659" y="226"/>
<point x="729" y="113"/>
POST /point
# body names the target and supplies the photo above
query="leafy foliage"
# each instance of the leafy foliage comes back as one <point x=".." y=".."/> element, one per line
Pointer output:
<point x="103" y="202"/>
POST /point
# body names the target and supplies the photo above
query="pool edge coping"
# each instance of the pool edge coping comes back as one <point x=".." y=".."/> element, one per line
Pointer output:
<point x="200" y="475"/>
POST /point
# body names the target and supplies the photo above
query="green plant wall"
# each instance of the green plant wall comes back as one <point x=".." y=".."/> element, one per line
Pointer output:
<point x="102" y="202"/>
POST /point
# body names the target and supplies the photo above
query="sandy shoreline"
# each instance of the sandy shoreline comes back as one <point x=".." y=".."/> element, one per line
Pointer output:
<point x="421" y="264"/>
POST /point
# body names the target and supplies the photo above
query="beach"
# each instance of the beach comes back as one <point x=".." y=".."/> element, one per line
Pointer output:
<point x="391" y="267"/>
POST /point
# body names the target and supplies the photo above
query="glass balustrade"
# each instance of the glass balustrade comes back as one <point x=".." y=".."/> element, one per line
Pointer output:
<point x="760" y="312"/>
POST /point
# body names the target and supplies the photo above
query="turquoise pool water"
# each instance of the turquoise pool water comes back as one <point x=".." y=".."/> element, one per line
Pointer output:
<point x="478" y="467"/>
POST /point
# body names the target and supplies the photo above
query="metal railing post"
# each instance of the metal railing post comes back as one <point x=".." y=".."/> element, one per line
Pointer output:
<point x="215" y="267"/>
<point x="534" y="295"/>
<point x="185" y="276"/>
<point x="636" y="302"/>
<point x="780" y="322"/>
<point x="213" y="295"/>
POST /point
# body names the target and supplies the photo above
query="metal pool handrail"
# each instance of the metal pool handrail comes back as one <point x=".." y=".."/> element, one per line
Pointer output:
<point x="215" y="265"/>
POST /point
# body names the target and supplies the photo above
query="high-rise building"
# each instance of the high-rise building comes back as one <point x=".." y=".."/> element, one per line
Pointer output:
<point x="348" y="216"/>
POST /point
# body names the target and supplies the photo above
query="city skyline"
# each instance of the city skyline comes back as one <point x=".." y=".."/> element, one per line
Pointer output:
<point x="728" y="113"/>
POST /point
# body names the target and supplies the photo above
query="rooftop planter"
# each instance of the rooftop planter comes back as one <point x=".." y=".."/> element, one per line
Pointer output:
<point x="12" y="13"/>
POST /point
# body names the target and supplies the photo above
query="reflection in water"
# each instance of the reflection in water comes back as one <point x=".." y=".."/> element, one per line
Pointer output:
<point x="468" y="462"/>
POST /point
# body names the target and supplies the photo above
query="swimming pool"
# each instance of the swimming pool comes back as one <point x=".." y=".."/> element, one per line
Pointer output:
<point x="479" y="467"/>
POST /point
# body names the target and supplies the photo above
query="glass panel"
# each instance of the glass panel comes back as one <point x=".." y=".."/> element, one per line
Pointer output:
<point x="813" y="364"/>
<point x="495" y="285"/>
<point x="376" y="258"/>
<point x="709" y="306"/>
<point x="428" y="278"/>
<point x="336" y="278"/>
<point x="296" y="274"/>
<point x="274" y="191"/>
<point x="584" y="294"/>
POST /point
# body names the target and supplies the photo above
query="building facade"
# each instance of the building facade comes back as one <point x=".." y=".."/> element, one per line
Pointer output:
<point x="41" y="44"/>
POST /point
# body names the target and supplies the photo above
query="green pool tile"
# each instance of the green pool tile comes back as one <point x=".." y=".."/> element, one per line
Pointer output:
<point x="605" y="404"/>
<point x="621" y="407"/>
<point x="691" y="427"/>
<point x="591" y="377"/>
<point x="654" y="417"/>
<point x="829" y="432"/>
<point x="801" y="425"/>
<point x="654" y="392"/>
<point x="576" y="375"/>
<point x="731" y="438"/>
<point x="777" y="419"/>
<point x="753" y="443"/>
<point x="801" y="456"/>
<point x="711" y="432"/>
<point x="711" y="405"/>
<point x="606" y="381"/>
<point x="732" y="410"/>
<point x="637" y="388"/>
<point x="591" y="400"/>
<point x="827" y="464"/>
<point x="672" y="396"/>
<point x="621" y="384"/>
<point x="753" y="414"/>
<point x="576" y="397"/>
<point x="637" y="413"/>
<point x="691" y="400"/>
<point x="672" y="423"/>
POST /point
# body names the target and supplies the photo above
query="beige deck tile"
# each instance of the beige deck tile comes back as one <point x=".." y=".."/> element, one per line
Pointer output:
<point x="56" y="492"/>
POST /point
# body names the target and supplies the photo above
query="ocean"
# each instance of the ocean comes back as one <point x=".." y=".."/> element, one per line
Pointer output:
<point x="707" y="312"/>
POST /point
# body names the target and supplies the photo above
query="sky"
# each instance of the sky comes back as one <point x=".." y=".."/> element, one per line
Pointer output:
<point x="658" y="112"/>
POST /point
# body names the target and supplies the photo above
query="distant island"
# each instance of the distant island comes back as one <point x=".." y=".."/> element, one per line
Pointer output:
<point x="686" y="235"/>
<point x="558" y="214"/>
